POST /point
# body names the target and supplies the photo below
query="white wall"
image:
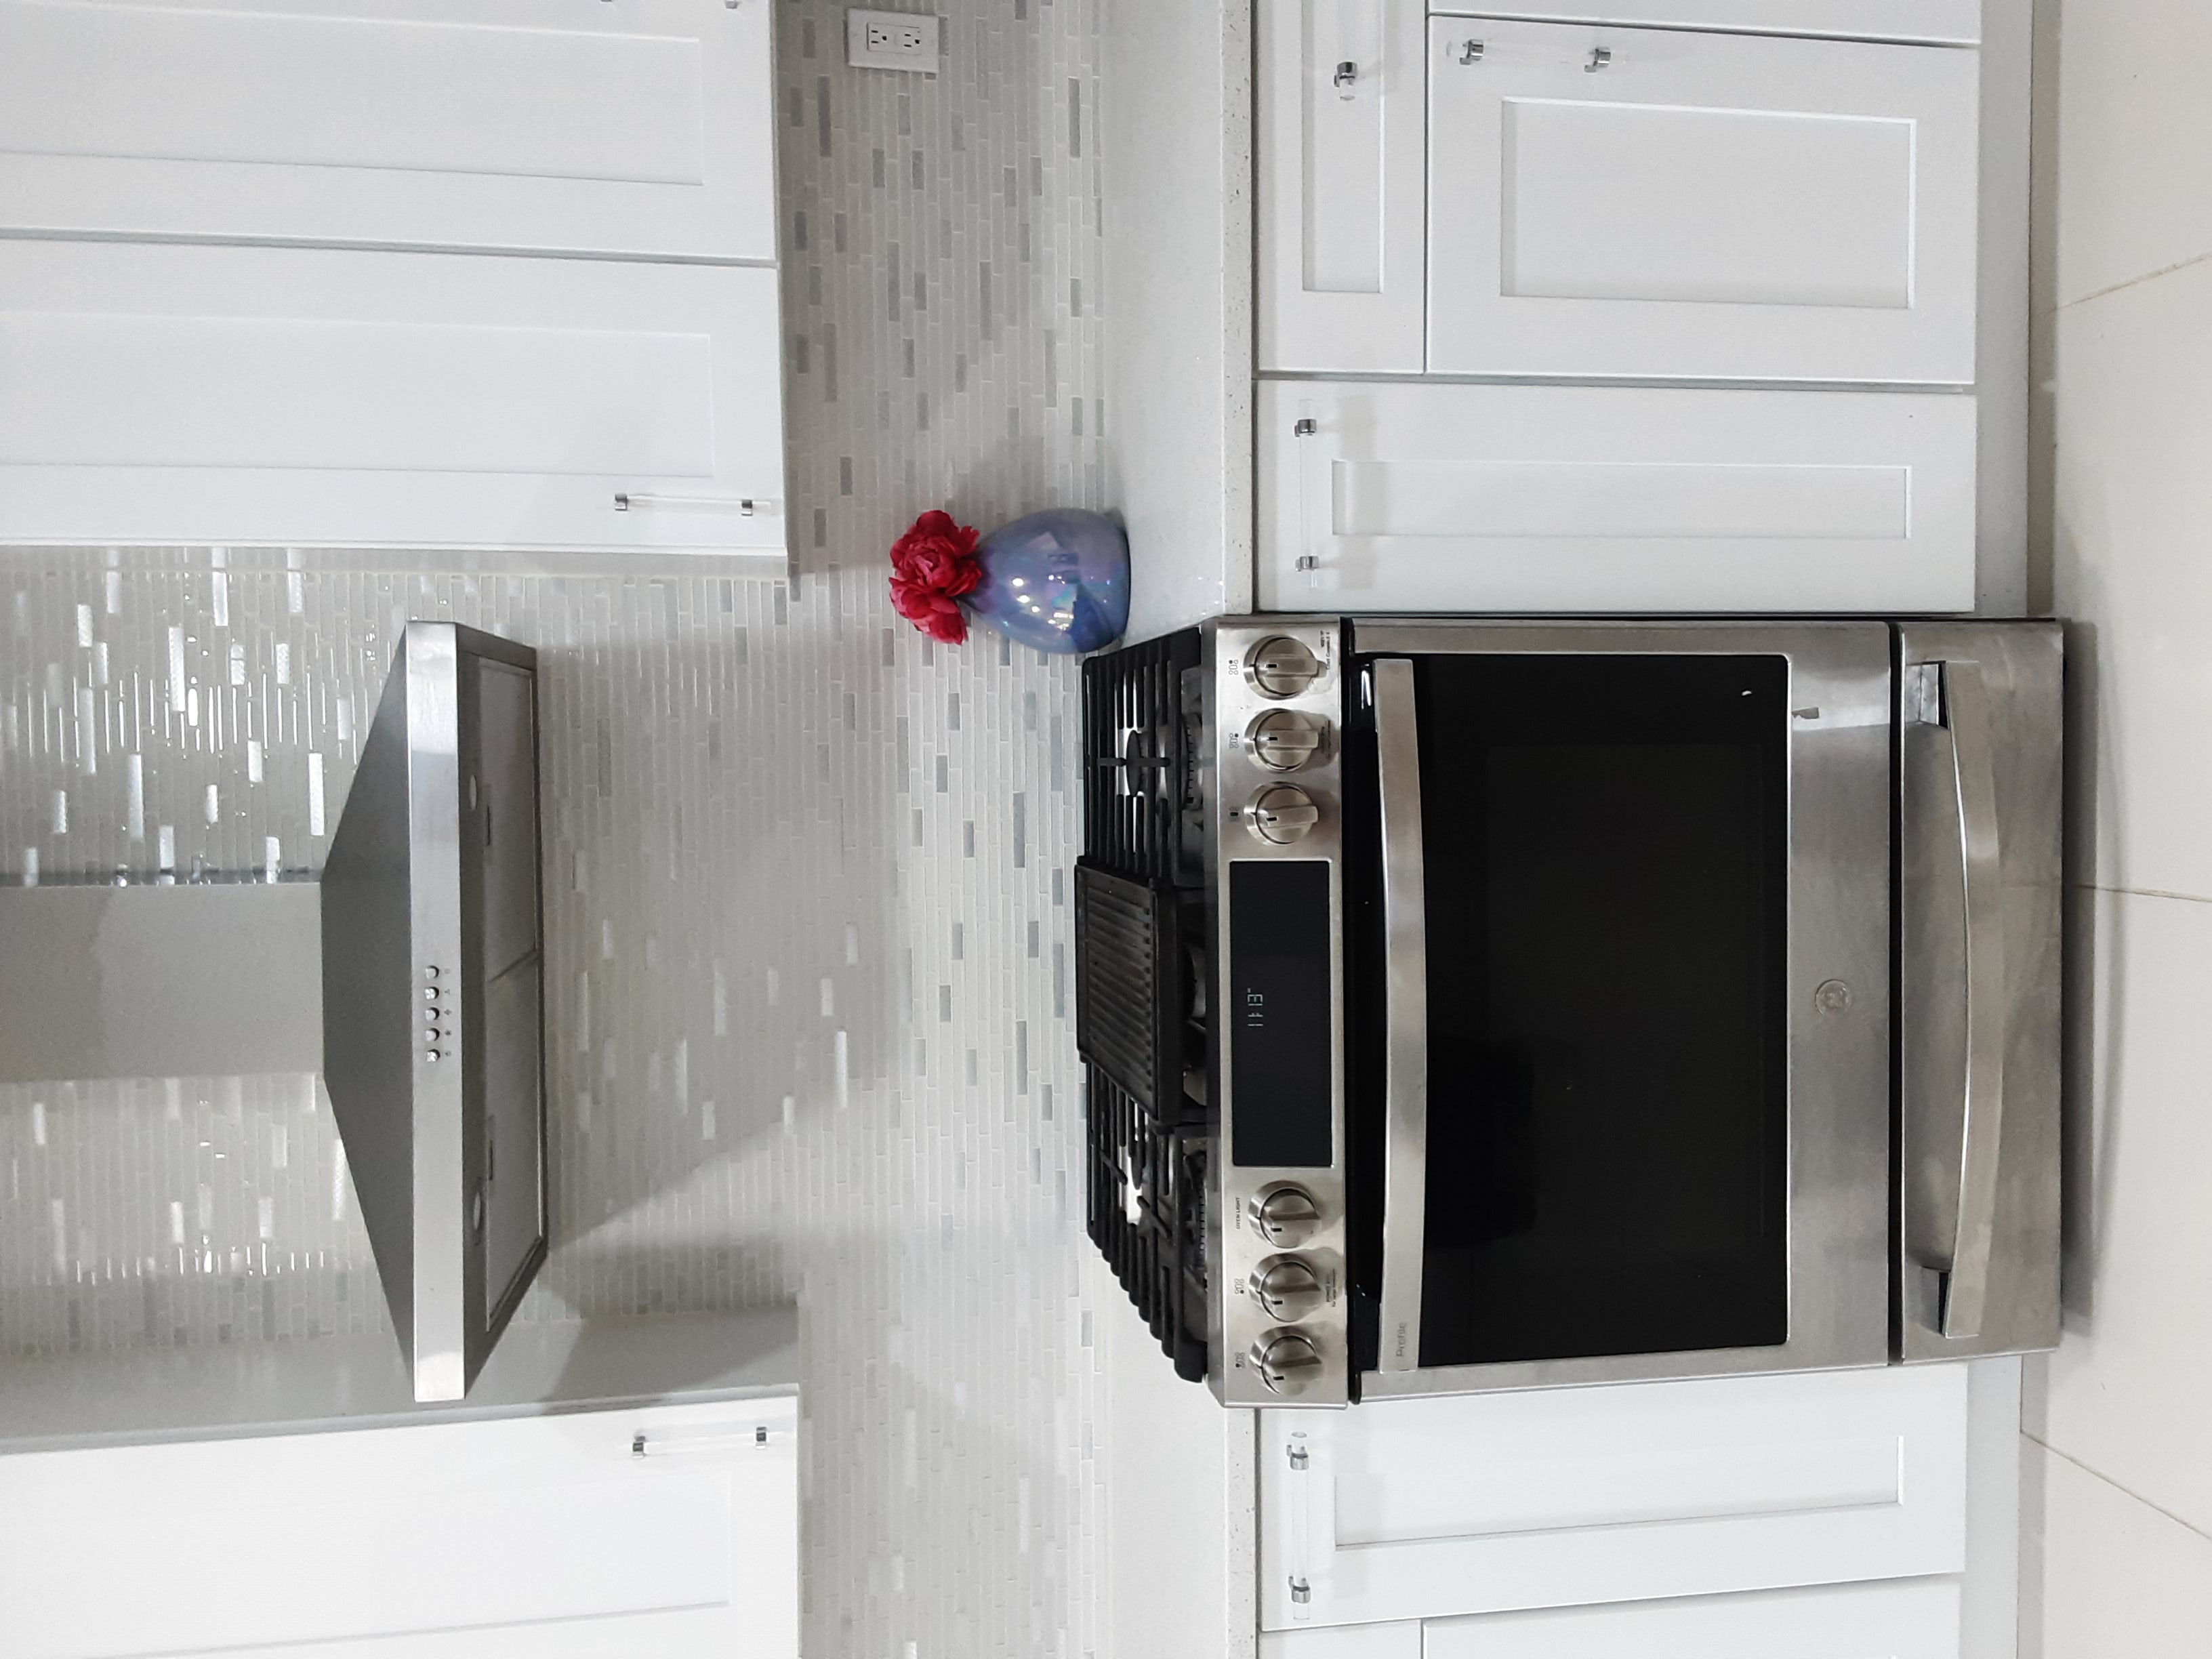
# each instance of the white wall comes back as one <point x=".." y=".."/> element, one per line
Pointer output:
<point x="2118" y="1454"/>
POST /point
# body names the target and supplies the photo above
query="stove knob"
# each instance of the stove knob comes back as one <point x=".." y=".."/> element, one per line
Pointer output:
<point x="1280" y="667"/>
<point x="1286" y="1217"/>
<point x="1282" y="813"/>
<point x="1287" y="1362"/>
<point x="1287" y="1288"/>
<point x="1283" y="739"/>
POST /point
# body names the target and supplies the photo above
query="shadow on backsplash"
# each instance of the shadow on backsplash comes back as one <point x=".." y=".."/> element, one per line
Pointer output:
<point x="733" y="785"/>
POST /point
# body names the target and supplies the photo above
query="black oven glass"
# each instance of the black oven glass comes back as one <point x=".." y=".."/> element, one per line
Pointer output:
<point x="1606" y="842"/>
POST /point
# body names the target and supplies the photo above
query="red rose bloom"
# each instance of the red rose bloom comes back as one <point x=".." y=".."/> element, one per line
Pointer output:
<point x="932" y="566"/>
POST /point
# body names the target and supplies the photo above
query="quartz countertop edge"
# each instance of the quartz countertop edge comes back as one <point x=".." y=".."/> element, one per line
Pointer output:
<point x="357" y="1381"/>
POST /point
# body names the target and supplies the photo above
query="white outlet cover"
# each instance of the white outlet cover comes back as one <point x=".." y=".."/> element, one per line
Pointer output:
<point x="892" y="40"/>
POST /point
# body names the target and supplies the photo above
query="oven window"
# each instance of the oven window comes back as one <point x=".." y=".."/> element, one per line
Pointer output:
<point x="1605" y="840"/>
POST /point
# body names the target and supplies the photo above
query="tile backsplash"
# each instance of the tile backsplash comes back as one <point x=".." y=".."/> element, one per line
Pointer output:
<point x="808" y="927"/>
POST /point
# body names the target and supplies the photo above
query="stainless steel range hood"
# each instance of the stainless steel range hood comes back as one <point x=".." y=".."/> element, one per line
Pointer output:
<point x="433" y="1026"/>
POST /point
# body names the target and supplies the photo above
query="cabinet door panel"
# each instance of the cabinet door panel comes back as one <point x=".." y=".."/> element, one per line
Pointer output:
<point x="187" y="394"/>
<point x="1428" y="496"/>
<point x="1341" y="98"/>
<point x="1712" y="206"/>
<point x="1427" y="1508"/>
<point x="407" y="1539"/>
<point x="1915" y="1619"/>
<point x="643" y="127"/>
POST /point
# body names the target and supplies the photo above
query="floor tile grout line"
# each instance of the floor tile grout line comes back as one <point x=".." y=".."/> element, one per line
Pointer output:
<point x="2133" y="281"/>
<point x="2096" y="1474"/>
<point x="2142" y="892"/>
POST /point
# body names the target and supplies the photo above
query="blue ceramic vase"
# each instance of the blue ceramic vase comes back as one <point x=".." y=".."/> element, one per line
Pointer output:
<point x="1057" y="581"/>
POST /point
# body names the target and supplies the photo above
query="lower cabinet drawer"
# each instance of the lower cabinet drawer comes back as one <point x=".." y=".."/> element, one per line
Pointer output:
<point x="1406" y="1510"/>
<point x="1437" y="496"/>
<point x="1918" y="1619"/>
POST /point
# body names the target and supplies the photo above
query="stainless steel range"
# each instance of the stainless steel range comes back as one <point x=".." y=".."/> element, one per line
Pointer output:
<point x="1479" y="1005"/>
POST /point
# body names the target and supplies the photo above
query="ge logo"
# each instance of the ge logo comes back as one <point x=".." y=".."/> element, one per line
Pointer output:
<point x="1833" y="997"/>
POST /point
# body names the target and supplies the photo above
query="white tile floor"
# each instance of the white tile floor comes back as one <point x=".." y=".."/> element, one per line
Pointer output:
<point x="2132" y="561"/>
<point x="2120" y="1580"/>
<point x="2127" y="1394"/>
<point x="2119" y="1459"/>
<point x="2134" y="156"/>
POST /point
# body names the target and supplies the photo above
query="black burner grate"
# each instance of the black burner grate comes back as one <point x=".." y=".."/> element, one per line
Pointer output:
<point x="1137" y="758"/>
<point x="1147" y="1217"/>
<point x="1147" y="1141"/>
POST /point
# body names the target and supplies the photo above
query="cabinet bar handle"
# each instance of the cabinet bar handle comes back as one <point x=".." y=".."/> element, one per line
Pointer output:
<point x="1966" y="713"/>
<point x="745" y="507"/>
<point x="1395" y="699"/>
<point x="759" y="1437"/>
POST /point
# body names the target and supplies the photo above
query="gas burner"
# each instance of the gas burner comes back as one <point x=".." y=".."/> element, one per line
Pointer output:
<point x="1140" y="966"/>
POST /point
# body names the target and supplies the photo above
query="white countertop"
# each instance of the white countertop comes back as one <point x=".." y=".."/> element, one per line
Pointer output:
<point x="1177" y="115"/>
<point x="358" y="1381"/>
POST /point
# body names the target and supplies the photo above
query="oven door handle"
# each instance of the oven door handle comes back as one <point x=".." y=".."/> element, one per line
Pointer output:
<point x="1405" y="1036"/>
<point x="1966" y="708"/>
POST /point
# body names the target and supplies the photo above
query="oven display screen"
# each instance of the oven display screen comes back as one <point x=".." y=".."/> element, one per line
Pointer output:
<point x="1281" y="1035"/>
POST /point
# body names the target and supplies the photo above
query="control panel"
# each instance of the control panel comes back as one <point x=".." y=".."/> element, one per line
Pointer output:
<point x="1280" y="1299"/>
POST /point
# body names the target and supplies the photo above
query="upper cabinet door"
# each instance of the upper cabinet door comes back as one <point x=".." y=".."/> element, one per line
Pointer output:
<point x="1341" y="94"/>
<point x="322" y="397"/>
<point x="638" y="127"/>
<point x="1659" y="203"/>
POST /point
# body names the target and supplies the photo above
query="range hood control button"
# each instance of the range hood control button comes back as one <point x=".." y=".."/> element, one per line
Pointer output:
<point x="1280" y="667"/>
<point x="1286" y="1217"/>
<point x="1287" y="1288"/>
<point x="1287" y="1362"/>
<point x="1283" y="739"/>
<point x="1282" y="813"/>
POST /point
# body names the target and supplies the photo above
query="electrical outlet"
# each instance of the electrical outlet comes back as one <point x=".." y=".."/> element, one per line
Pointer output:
<point x="891" y="39"/>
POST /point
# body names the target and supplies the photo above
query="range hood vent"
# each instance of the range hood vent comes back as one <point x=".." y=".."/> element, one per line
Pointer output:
<point x="433" y="1027"/>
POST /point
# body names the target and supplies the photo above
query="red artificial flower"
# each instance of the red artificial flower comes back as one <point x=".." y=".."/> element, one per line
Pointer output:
<point x="932" y="566"/>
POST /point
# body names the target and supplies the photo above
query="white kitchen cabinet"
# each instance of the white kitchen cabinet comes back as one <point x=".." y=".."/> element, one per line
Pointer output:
<point x="1947" y="22"/>
<point x="1662" y="203"/>
<point x="1343" y="1641"/>
<point x="1342" y="94"/>
<point x="171" y="393"/>
<point x="640" y="127"/>
<point x="1911" y="1618"/>
<point x="1462" y="1505"/>
<point x="1440" y="496"/>
<point x="517" y="1538"/>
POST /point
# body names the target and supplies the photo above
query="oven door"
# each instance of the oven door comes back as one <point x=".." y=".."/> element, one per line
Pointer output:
<point x="1619" y="940"/>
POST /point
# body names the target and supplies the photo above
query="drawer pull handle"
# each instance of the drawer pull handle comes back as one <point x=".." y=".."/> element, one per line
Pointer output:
<point x="745" y="507"/>
<point x="759" y="1437"/>
<point x="1471" y="53"/>
<point x="1600" y="57"/>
